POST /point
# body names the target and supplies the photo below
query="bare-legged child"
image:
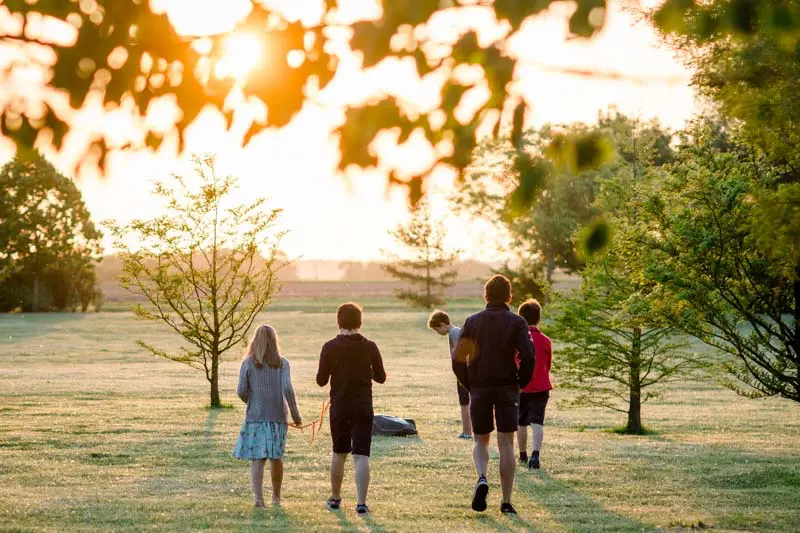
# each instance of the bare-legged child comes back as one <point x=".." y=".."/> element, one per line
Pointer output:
<point x="265" y="384"/>
<point x="351" y="362"/>
<point x="533" y="398"/>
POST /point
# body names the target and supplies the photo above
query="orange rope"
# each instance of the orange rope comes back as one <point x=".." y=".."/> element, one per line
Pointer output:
<point x="316" y="425"/>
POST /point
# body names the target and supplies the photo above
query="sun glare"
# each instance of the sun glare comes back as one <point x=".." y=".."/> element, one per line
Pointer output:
<point x="242" y="53"/>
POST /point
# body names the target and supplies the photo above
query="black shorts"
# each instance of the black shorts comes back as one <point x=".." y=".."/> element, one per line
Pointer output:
<point x="351" y="432"/>
<point x="490" y="404"/>
<point x="532" y="406"/>
<point x="463" y="394"/>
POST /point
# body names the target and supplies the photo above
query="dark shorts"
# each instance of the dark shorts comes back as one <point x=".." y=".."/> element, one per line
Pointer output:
<point x="463" y="394"/>
<point x="532" y="406"/>
<point x="351" y="432"/>
<point x="490" y="404"/>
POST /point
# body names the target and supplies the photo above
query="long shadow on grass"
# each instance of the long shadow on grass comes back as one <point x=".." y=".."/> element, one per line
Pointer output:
<point x="490" y="522"/>
<point x="574" y="510"/>
<point x="270" y="519"/>
<point x="751" y="490"/>
<point x="211" y="422"/>
<point x="369" y="521"/>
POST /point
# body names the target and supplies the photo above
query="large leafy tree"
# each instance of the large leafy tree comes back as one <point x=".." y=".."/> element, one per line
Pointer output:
<point x="48" y="242"/>
<point x="540" y="209"/>
<point x="424" y="262"/>
<point x="200" y="267"/>
<point x="754" y="83"/>
<point x="725" y="287"/>
<point x="541" y="236"/>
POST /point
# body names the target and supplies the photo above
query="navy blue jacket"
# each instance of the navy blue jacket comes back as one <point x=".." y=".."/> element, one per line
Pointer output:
<point x="490" y="342"/>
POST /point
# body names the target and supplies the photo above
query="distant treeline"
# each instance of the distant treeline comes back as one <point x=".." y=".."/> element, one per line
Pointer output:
<point x="323" y="270"/>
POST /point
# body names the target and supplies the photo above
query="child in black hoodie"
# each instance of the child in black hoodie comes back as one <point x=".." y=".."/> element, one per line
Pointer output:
<point x="350" y="361"/>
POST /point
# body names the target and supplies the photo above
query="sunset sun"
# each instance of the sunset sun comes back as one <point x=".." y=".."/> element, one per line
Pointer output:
<point x="242" y="52"/>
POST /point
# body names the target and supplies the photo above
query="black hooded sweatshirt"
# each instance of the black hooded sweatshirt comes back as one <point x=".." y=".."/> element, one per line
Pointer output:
<point x="351" y="362"/>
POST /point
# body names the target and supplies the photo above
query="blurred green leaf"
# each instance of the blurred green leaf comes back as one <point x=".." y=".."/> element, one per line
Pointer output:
<point x="595" y="237"/>
<point x="581" y="151"/>
<point x="533" y="173"/>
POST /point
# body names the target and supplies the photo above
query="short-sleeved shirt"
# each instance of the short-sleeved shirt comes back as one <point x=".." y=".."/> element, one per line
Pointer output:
<point x="452" y="338"/>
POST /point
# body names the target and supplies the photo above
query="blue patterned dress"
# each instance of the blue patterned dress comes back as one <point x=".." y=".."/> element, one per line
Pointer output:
<point x="261" y="440"/>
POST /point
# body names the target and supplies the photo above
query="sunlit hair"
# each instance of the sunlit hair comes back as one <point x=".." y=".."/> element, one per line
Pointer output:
<point x="264" y="347"/>
<point x="531" y="311"/>
<point x="437" y="318"/>
<point x="348" y="316"/>
<point x="497" y="290"/>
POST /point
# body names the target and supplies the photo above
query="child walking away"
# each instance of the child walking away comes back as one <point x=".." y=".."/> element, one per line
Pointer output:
<point x="265" y="384"/>
<point x="350" y="361"/>
<point x="439" y="321"/>
<point x="533" y="398"/>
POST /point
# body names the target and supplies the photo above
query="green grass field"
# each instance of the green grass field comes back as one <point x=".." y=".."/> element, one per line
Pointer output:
<point x="96" y="435"/>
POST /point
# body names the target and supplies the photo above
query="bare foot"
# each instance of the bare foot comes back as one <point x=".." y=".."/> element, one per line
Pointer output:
<point x="259" y="503"/>
<point x="276" y="503"/>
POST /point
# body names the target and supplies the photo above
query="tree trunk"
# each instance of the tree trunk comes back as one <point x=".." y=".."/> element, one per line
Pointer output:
<point x="634" y="426"/>
<point x="797" y="331"/>
<point x="428" y="280"/>
<point x="36" y="293"/>
<point x="215" y="403"/>
<point x="551" y="267"/>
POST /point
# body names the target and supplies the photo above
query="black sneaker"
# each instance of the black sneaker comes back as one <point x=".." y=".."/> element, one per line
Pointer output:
<point x="362" y="509"/>
<point x="523" y="458"/>
<point x="534" y="464"/>
<point x="507" y="508"/>
<point x="479" y="496"/>
<point x="333" y="504"/>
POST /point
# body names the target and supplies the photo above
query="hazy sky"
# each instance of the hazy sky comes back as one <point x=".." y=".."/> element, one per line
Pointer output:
<point x="347" y="217"/>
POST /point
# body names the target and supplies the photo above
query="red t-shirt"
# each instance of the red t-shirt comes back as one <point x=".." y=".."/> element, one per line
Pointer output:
<point x="544" y="360"/>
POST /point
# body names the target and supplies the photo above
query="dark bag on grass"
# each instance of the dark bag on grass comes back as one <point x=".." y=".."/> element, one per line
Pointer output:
<point x="392" y="426"/>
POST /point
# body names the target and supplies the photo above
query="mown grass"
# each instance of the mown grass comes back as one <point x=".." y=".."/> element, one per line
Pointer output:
<point x="96" y="435"/>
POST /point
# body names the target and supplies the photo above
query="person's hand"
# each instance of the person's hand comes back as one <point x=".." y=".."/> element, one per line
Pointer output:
<point x="298" y="422"/>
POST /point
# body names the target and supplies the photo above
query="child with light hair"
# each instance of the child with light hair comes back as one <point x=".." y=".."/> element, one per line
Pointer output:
<point x="265" y="385"/>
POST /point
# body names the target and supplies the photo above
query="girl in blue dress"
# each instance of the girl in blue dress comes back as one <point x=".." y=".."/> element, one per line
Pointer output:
<point x="265" y="385"/>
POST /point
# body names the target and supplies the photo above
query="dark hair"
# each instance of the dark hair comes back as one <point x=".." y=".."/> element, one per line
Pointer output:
<point x="497" y="290"/>
<point x="348" y="316"/>
<point x="531" y="311"/>
<point x="437" y="318"/>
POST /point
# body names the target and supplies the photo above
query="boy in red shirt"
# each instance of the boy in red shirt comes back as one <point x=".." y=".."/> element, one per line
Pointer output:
<point x="533" y="398"/>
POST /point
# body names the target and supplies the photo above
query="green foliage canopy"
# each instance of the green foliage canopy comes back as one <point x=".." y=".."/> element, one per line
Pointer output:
<point x="721" y="284"/>
<point x="47" y="237"/>
<point x="618" y="346"/>
<point x="124" y="54"/>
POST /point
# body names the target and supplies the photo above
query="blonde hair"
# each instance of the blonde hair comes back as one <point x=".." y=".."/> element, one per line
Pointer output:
<point x="264" y="347"/>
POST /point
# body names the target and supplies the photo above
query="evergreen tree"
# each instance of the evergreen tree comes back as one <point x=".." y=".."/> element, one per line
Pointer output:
<point x="427" y="265"/>
<point x="617" y="344"/>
